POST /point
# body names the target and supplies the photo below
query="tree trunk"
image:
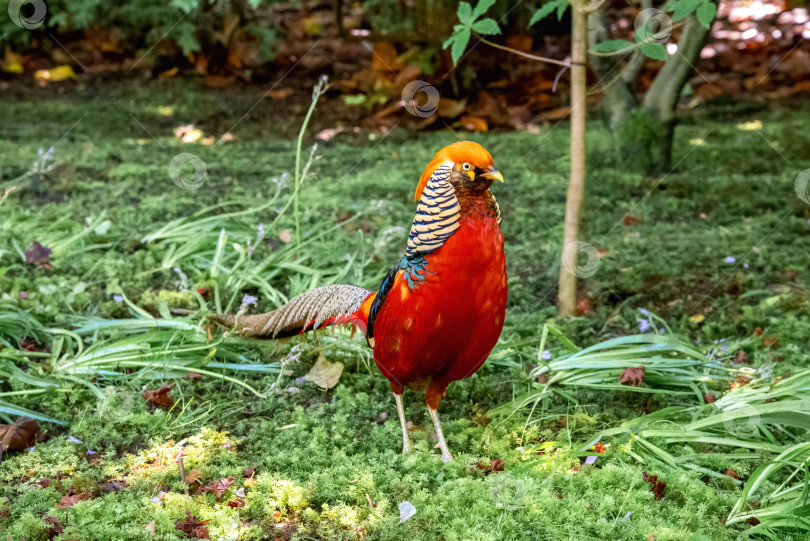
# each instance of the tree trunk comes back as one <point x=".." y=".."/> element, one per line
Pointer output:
<point x="576" y="183"/>
<point x="645" y="131"/>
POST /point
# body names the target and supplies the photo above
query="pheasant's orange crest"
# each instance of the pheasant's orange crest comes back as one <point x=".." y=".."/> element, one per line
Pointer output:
<point x="460" y="152"/>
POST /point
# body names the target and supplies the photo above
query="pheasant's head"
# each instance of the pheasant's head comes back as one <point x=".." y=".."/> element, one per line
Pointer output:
<point x="472" y="167"/>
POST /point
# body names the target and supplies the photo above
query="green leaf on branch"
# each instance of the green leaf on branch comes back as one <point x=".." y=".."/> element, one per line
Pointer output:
<point x="465" y="13"/>
<point x="487" y="26"/>
<point x="460" y="41"/>
<point x="482" y="7"/>
<point x="705" y="14"/>
<point x="654" y="50"/>
<point x="682" y="9"/>
<point x="613" y="45"/>
<point x="546" y="9"/>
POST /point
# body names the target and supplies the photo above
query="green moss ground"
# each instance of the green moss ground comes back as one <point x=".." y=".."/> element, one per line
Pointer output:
<point x="322" y="455"/>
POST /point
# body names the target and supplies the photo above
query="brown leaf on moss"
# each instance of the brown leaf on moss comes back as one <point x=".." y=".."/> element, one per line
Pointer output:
<point x="770" y="342"/>
<point x="238" y="502"/>
<point x="159" y="397"/>
<point x="491" y="466"/>
<point x="57" y="528"/>
<point x="632" y="376"/>
<point x="709" y="398"/>
<point x="71" y="499"/>
<point x="192" y="527"/>
<point x="20" y="435"/>
<point x="248" y="472"/>
<point x="219" y="486"/>
<point x="192" y="477"/>
<point x="731" y="473"/>
<point x="37" y="254"/>
<point x="658" y="488"/>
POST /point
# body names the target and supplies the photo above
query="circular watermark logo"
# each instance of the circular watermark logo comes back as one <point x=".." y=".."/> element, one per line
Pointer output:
<point x="410" y="103"/>
<point x="570" y="259"/>
<point x="742" y="422"/>
<point x="802" y="186"/>
<point x="28" y="14"/>
<point x="653" y="26"/>
<point x="117" y="404"/>
<point x="188" y="171"/>
<point x="509" y="492"/>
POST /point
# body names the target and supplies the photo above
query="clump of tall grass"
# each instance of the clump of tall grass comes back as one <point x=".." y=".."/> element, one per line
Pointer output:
<point x="221" y="245"/>
<point x="672" y="366"/>
<point x="100" y="352"/>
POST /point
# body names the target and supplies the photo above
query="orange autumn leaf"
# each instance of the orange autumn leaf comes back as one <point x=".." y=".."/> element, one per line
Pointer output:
<point x="474" y="123"/>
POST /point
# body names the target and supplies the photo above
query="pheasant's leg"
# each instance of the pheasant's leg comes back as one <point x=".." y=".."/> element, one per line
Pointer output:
<point x="407" y="446"/>
<point x="446" y="456"/>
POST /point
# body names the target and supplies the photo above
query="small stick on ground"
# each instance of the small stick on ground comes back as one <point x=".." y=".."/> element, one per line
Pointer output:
<point x="183" y="475"/>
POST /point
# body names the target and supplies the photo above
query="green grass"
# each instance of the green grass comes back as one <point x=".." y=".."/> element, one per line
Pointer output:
<point x="117" y="225"/>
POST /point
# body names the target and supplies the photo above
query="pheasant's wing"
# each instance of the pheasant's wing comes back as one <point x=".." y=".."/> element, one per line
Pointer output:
<point x="327" y="305"/>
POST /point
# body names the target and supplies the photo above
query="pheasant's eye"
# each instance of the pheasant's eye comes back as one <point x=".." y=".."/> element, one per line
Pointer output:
<point x="466" y="166"/>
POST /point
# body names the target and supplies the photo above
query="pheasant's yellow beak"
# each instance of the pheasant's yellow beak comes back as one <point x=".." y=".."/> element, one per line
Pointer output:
<point x="493" y="174"/>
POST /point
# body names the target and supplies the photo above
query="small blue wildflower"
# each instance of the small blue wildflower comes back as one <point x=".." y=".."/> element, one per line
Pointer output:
<point x="89" y="452"/>
<point x="249" y="299"/>
<point x="644" y="312"/>
<point x="745" y="265"/>
<point x="118" y="298"/>
<point x="74" y="439"/>
<point x="643" y="325"/>
<point x="730" y="259"/>
<point x="627" y="516"/>
<point x="546" y="355"/>
<point x="590" y="460"/>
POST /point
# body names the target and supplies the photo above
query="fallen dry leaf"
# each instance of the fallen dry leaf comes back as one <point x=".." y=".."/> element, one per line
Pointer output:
<point x="192" y="527"/>
<point x="20" y="435"/>
<point x="57" y="528"/>
<point x="192" y="477"/>
<point x="70" y="499"/>
<point x="150" y="527"/>
<point x="325" y="374"/>
<point x="248" y="472"/>
<point x="37" y="254"/>
<point x="658" y="488"/>
<point x="474" y="123"/>
<point x="285" y="235"/>
<point x="632" y="376"/>
<point x="280" y="93"/>
<point x="219" y="486"/>
<point x="159" y="397"/>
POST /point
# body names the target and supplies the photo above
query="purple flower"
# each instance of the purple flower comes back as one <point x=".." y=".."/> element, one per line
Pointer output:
<point x="730" y="259"/>
<point x="89" y="452"/>
<point x="745" y="265"/>
<point x="643" y="325"/>
<point x="249" y="299"/>
<point x="158" y="498"/>
<point x="546" y="355"/>
<point x="590" y="460"/>
<point x="118" y="298"/>
<point x="627" y="516"/>
<point x="261" y="230"/>
<point x="644" y="312"/>
<point x="74" y="439"/>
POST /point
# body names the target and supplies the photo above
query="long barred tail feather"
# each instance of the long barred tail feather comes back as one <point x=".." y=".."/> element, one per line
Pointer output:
<point x="335" y="304"/>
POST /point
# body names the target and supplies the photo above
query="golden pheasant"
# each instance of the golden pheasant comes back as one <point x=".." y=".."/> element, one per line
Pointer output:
<point x="439" y="311"/>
